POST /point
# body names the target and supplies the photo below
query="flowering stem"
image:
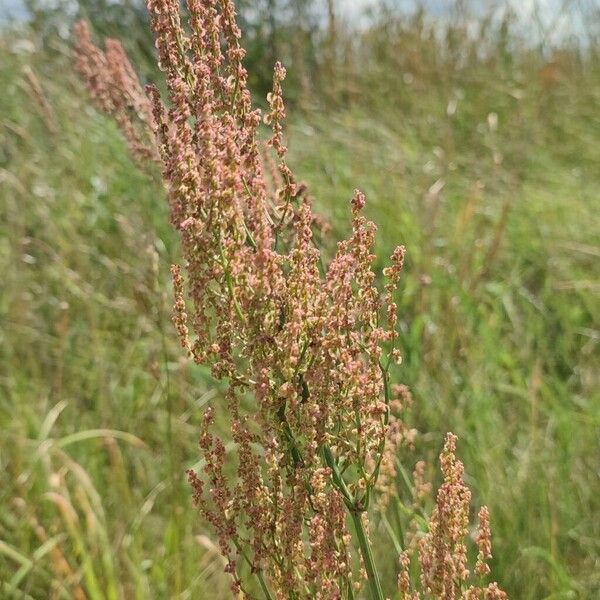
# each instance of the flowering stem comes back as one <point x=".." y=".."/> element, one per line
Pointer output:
<point x="355" y="512"/>
<point x="263" y="586"/>
<point x="367" y="554"/>
<point x="257" y="572"/>
<point x="229" y="282"/>
<point x="350" y="591"/>
<point x="386" y="391"/>
<point x="338" y="480"/>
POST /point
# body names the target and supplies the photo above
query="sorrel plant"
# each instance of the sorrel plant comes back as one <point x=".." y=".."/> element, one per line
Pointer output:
<point x="304" y="347"/>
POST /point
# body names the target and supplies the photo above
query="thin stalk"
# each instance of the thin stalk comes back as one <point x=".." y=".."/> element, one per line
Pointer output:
<point x="367" y="554"/>
<point x="229" y="281"/>
<point x="338" y="480"/>
<point x="361" y="534"/>
<point x="257" y="572"/>
<point x="386" y="419"/>
<point x="350" y="591"/>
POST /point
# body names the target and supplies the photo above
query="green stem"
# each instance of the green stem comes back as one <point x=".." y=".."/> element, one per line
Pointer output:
<point x="361" y="534"/>
<point x="257" y="572"/>
<point x="229" y="281"/>
<point x="386" y="419"/>
<point x="338" y="480"/>
<point x="367" y="554"/>
<point x="350" y="591"/>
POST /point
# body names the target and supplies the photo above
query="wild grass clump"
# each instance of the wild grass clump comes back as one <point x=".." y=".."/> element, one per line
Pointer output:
<point x="304" y="347"/>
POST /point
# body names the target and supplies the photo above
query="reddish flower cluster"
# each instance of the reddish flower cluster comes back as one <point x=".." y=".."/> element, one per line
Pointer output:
<point x="304" y="346"/>
<point x="112" y="82"/>
<point x="443" y="550"/>
<point x="443" y="553"/>
<point x="305" y="349"/>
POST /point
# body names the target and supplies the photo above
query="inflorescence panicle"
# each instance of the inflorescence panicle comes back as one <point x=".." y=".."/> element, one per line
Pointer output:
<point x="305" y="349"/>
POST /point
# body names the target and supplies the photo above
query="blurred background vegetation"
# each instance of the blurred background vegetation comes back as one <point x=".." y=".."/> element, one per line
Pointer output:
<point x="475" y="134"/>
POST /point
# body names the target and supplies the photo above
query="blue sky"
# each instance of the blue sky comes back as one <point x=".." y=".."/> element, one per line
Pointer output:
<point x="352" y="8"/>
<point x="10" y="8"/>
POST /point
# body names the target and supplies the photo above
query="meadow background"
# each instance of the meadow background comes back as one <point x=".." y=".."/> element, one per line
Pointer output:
<point x="475" y="135"/>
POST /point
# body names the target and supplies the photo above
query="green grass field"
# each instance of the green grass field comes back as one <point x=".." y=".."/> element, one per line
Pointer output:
<point x="495" y="191"/>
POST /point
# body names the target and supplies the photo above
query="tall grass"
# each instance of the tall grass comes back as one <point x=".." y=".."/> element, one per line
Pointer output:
<point x="99" y="416"/>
